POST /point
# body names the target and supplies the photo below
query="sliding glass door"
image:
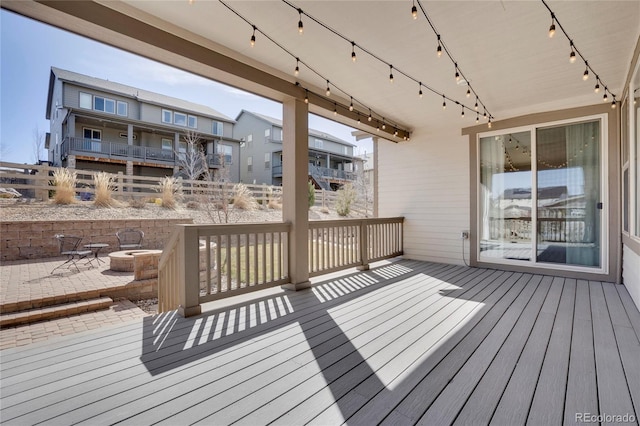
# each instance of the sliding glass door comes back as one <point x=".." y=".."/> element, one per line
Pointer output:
<point x="541" y="196"/>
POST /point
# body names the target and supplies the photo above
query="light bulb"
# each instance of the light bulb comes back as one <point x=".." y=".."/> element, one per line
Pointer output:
<point x="391" y="73"/>
<point x="444" y="103"/>
<point x="353" y="51"/>
<point x="369" y="118"/>
<point x="377" y="128"/>
<point x="613" y="104"/>
<point x="358" y="118"/>
<point x="384" y="126"/>
<point x="420" y="90"/>
<point x="439" y="49"/>
<point x="395" y="132"/>
<point x="306" y="97"/>
<point x="457" y="75"/>
<point x="414" y="12"/>
<point x="489" y="123"/>
<point x="300" y="26"/>
<point x="351" y="105"/>
<point x="572" y="55"/>
<point x="552" y="28"/>
<point x="605" y="98"/>
<point x="462" y="115"/>
<point x="477" y="117"/>
<point x="597" y="88"/>
<point x="335" y="109"/>
<point x="328" y="89"/>
<point x="468" y="93"/>
<point x="476" y="105"/>
<point x="585" y="76"/>
<point x="253" y="37"/>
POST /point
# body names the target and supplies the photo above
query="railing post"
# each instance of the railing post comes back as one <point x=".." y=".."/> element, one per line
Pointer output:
<point x="42" y="186"/>
<point x="119" y="182"/>
<point x="190" y="273"/>
<point x="364" y="246"/>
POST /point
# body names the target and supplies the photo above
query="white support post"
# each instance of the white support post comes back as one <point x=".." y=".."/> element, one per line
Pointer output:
<point x="190" y="291"/>
<point x="364" y="247"/>
<point x="295" y="173"/>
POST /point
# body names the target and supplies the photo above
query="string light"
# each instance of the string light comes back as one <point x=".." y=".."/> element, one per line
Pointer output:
<point x="444" y="102"/>
<point x="420" y="90"/>
<point x="457" y="73"/>
<point x="299" y="62"/>
<point x="395" y="132"/>
<point x="358" y="118"/>
<point x="462" y="112"/>
<point x="477" y="117"/>
<point x="572" y="55"/>
<point x="585" y="76"/>
<point x="369" y="118"/>
<point x="391" y="73"/>
<point x="353" y="51"/>
<point x="335" y="109"/>
<point x="300" y="25"/>
<point x="328" y="92"/>
<point x="468" y="92"/>
<point x="384" y="125"/>
<point x="439" y="49"/>
<point x="476" y="104"/>
<point x="253" y="37"/>
<point x="414" y="11"/>
<point x="489" y="123"/>
<point x="613" y="103"/>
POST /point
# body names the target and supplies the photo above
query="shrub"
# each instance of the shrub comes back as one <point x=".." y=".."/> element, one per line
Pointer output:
<point x="170" y="191"/>
<point x="193" y="205"/>
<point x="103" y="184"/>
<point x="65" y="183"/>
<point x="243" y="198"/>
<point x="312" y="194"/>
<point x="345" y="197"/>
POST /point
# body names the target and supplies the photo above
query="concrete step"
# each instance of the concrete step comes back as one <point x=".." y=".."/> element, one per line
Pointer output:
<point x="28" y="316"/>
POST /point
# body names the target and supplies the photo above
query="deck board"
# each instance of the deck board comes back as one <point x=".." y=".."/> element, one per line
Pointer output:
<point x="408" y="342"/>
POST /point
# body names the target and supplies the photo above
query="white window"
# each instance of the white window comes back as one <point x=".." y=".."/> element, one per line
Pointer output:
<point x="226" y="151"/>
<point x="267" y="134"/>
<point x="249" y="164"/>
<point x="104" y="104"/>
<point x="122" y="108"/>
<point x="93" y="134"/>
<point x="179" y="119"/>
<point x="345" y="150"/>
<point x="86" y="100"/>
<point x="167" y="144"/>
<point x="319" y="143"/>
<point x="167" y="116"/>
<point x="267" y="160"/>
<point x="192" y="122"/>
<point x="217" y="128"/>
<point x="277" y="134"/>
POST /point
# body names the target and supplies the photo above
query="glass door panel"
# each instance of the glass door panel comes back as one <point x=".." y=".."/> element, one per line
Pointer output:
<point x="505" y="197"/>
<point x="569" y="194"/>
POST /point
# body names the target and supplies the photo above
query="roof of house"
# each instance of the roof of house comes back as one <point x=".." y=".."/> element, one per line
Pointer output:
<point x="312" y="132"/>
<point x="134" y="92"/>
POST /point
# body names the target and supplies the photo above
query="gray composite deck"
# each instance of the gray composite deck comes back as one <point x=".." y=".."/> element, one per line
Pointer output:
<point x="405" y="343"/>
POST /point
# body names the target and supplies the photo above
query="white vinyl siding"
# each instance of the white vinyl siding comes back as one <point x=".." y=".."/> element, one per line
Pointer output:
<point x="435" y="204"/>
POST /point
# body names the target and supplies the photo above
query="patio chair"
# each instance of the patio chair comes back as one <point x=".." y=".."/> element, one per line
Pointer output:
<point x="130" y="239"/>
<point x="68" y="245"/>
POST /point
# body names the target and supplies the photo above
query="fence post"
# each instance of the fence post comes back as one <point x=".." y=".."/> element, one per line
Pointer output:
<point x="190" y="273"/>
<point x="42" y="186"/>
<point x="119" y="183"/>
<point x="364" y="246"/>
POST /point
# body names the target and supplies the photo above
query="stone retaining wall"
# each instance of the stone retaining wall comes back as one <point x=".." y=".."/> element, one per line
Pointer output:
<point x="35" y="240"/>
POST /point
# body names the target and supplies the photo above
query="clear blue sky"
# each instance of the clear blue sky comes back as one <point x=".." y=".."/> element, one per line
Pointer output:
<point x="29" y="49"/>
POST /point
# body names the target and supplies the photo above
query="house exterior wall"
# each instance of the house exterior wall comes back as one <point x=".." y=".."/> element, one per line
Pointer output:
<point x="434" y="195"/>
<point x="72" y="100"/>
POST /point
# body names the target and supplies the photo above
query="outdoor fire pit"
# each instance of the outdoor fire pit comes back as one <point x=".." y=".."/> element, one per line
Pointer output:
<point x="123" y="261"/>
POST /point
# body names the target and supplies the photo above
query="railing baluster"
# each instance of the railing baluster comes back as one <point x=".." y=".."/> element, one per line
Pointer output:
<point x="218" y="264"/>
<point x="228" y="260"/>
<point x="264" y="257"/>
<point x="208" y="261"/>
<point x="238" y="264"/>
<point x="255" y="259"/>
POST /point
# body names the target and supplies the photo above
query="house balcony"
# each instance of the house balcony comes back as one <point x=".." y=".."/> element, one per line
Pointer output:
<point x="321" y="174"/>
<point x="119" y="152"/>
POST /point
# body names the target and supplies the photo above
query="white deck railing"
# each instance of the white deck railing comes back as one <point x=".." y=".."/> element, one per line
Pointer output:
<point x="201" y="263"/>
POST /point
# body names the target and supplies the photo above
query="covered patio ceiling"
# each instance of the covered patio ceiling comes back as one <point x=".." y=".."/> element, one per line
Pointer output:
<point x="502" y="47"/>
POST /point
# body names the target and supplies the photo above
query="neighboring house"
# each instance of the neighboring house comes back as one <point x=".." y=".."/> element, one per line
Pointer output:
<point x="331" y="160"/>
<point x="98" y="124"/>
